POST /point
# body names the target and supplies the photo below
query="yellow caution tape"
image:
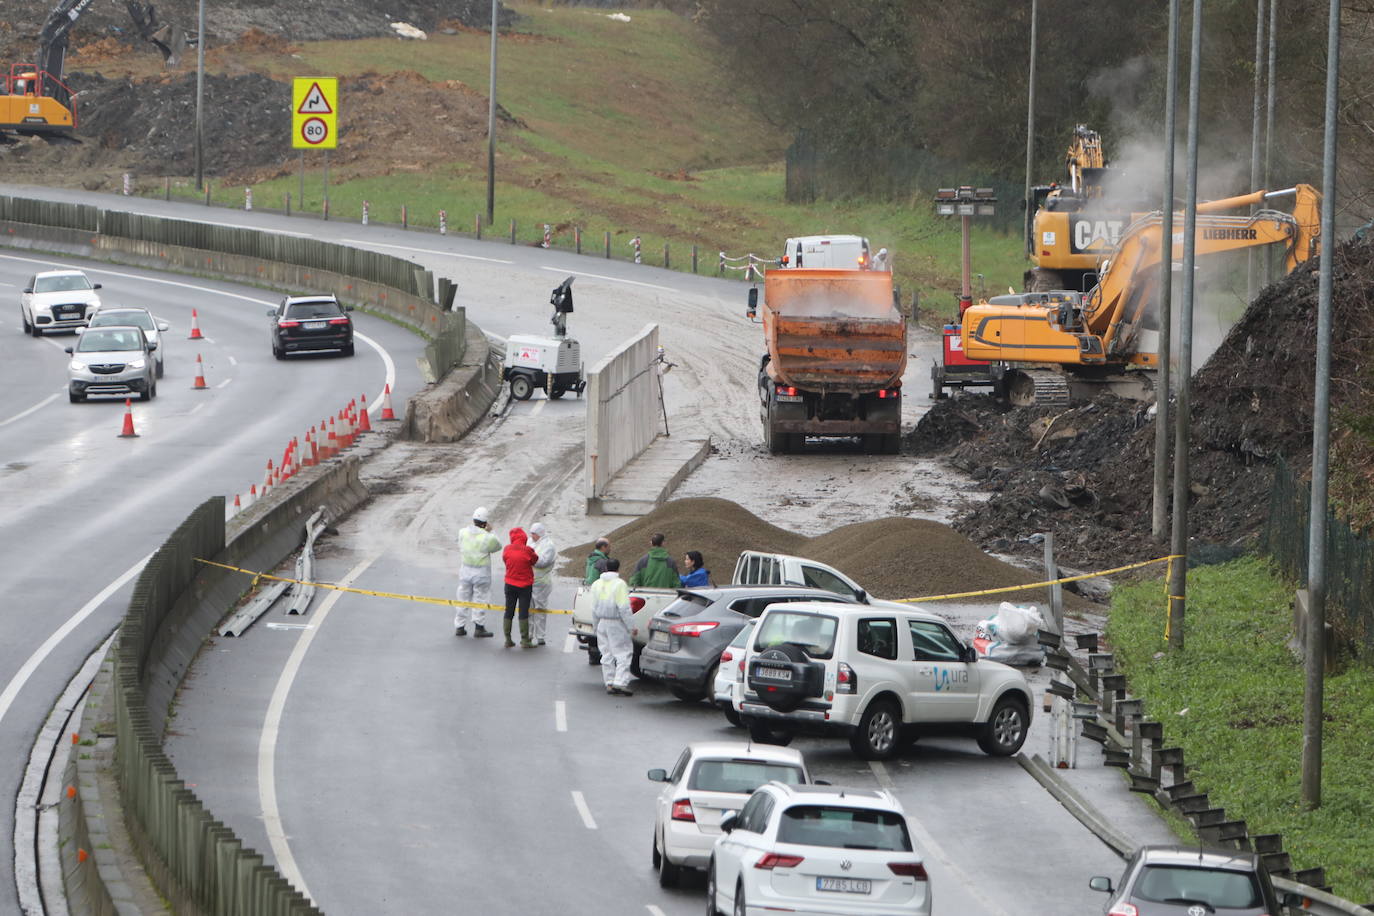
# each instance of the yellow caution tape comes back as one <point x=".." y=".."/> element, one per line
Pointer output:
<point x="423" y="599"/>
<point x="1021" y="588"/>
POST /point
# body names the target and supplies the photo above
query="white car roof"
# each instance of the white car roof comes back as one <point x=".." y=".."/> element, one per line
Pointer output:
<point x="746" y="751"/>
<point x="61" y="273"/>
<point x="811" y="794"/>
<point x="840" y="609"/>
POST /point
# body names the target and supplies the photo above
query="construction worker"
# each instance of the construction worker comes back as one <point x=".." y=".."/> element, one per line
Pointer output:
<point x="543" y="581"/>
<point x="596" y="561"/>
<point x="611" y="612"/>
<point x="475" y="546"/>
<point x="657" y="568"/>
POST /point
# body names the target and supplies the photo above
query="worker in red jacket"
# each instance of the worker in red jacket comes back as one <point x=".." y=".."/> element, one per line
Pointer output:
<point x="520" y="559"/>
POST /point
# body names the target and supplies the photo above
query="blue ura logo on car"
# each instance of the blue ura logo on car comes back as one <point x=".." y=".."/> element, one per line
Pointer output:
<point x="949" y="678"/>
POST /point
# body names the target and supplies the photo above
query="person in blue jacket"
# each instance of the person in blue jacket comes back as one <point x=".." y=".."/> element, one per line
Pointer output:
<point x="697" y="575"/>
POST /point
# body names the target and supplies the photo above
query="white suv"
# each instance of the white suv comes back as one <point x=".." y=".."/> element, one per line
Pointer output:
<point x="56" y="300"/>
<point x="877" y="675"/>
<point x="817" y="849"/>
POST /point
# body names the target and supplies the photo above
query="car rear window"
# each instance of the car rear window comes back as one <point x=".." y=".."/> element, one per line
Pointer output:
<point x="61" y="284"/>
<point x="813" y="632"/>
<point x="741" y="776"/>
<point x="102" y="340"/>
<point x="687" y="605"/>
<point x="321" y="309"/>
<point x="1217" y="888"/>
<point x="137" y="319"/>
<point x="844" y="828"/>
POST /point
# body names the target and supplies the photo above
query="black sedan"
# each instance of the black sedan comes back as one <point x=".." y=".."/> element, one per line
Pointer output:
<point x="301" y="323"/>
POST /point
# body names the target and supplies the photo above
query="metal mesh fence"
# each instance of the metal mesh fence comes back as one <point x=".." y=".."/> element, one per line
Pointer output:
<point x="1349" y="559"/>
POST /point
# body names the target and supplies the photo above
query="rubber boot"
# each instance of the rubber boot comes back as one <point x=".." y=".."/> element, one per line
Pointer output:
<point x="525" y="642"/>
<point x="505" y="625"/>
<point x="481" y="632"/>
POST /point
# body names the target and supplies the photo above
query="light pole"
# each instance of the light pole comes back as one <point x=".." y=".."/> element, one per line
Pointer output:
<point x="1030" y="131"/>
<point x="966" y="202"/>
<point x="1159" y="518"/>
<point x="491" y="123"/>
<point x="200" y="99"/>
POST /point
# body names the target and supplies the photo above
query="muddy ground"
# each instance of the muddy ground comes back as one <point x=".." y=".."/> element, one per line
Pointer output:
<point x="1086" y="473"/>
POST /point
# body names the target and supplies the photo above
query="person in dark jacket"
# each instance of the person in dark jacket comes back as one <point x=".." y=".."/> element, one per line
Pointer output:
<point x="520" y="559"/>
<point x="697" y="575"/>
<point x="657" y="568"/>
<point x="596" y="561"/>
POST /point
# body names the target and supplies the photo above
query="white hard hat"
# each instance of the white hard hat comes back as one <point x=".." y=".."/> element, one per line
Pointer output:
<point x="538" y="529"/>
<point x="480" y="514"/>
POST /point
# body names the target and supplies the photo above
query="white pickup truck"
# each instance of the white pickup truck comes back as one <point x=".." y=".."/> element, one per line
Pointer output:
<point x="752" y="568"/>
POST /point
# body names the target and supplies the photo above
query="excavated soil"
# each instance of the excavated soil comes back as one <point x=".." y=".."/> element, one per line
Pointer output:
<point x="891" y="557"/>
<point x="1251" y="403"/>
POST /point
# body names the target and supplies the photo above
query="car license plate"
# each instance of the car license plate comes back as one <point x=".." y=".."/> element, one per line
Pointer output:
<point x="781" y="674"/>
<point x="790" y="398"/>
<point x="315" y="325"/>
<point x="659" y="638"/>
<point x="845" y="885"/>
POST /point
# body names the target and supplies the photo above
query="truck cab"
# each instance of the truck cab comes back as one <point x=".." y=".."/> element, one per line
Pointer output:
<point x="839" y="252"/>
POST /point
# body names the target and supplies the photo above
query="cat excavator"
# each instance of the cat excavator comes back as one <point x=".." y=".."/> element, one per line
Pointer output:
<point x="34" y="99"/>
<point x="1075" y="225"/>
<point x="1047" y="348"/>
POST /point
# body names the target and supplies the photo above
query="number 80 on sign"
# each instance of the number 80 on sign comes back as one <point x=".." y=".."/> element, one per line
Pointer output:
<point x="314" y="131"/>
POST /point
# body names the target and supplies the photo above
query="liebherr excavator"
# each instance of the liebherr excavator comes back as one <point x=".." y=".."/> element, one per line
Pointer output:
<point x="1048" y="347"/>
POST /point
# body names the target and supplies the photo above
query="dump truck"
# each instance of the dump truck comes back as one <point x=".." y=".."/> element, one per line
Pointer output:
<point x="836" y="351"/>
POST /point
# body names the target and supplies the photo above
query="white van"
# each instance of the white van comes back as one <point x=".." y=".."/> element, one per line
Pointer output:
<point x="834" y="251"/>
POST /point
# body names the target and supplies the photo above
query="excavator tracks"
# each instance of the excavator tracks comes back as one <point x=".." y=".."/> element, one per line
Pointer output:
<point x="1037" y="388"/>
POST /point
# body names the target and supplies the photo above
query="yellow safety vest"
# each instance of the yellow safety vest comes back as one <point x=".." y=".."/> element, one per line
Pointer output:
<point x="476" y="546"/>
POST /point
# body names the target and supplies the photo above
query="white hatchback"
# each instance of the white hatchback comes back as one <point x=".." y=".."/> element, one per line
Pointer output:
<point x="817" y="849"/>
<point x="709" y="779"/>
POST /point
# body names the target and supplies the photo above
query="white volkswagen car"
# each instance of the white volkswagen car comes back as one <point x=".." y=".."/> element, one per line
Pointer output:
<point x="817" y="849"/>
<point x="56" y="300"/>
<point x="709" y="779"/>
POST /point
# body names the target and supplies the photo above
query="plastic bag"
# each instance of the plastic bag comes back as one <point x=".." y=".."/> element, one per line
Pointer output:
<point x="1010" y="636"/>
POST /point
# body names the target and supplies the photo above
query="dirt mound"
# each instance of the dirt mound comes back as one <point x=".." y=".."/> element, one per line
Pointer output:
<point x="892" y="557"/>
<point x="1086" y="473"/>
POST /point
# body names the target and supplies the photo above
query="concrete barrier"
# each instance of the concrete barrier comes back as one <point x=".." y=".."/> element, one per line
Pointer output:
<point x="622" y="408"/>
<point x="446" y="411"/>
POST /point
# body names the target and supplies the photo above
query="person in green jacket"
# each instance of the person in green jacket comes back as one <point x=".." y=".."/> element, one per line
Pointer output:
<point x="596" y="561"/>
<point x="657" y="568"/>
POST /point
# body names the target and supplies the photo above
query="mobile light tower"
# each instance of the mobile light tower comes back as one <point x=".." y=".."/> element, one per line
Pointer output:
<point x="956" y="370"/>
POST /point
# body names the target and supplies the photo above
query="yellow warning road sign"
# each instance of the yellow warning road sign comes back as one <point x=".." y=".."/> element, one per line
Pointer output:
<point x="315" y="112"/>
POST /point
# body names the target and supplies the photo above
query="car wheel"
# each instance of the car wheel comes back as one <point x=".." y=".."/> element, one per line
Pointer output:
<point x="76" y="398"/>
<point x="1005" y="731"/>
<point x="520" y="387"/>
<point x="152" y="388"/>
<point x="879" y="733"/>
<point x="732" y="714"/>
<point x="24" y="318"/>
<point x="348" y="350"/>
<point x="593" y="653"/>
<point x="146" y="394"/>
<point x="711" y="890"/>
<point x="160" y="369"/>
<point x="277" y="352"/>
<point x="555" y="393"/>
<point x="35" y="330"/>
<point x="687" y="694"/>
<point x="657" y="857"/>
<point x="668" y="873"/>
<point x="739" y="909"/>
<point x="763" y="733"/>
<point x="784" y="697"/>
<point x="634" y="663"/>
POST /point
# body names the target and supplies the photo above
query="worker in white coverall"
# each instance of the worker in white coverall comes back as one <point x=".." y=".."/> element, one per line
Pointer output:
<point x="475" y="546"/>
<point x="543" y="581"/>
<point x="611" y="612"/>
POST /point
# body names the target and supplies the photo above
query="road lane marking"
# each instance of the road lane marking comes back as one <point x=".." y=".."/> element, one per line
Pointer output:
<point x="233" y="362"/>
<point x="538" y="406"/>
<point x="580" y="273"/>
<point x="197" y="407"/>
<point x="225" y="382"/>
<point x="39" y="406"/>
<point x="569" y="643"/>
<point x="210" y="222"/>
<point x="448" y="254"/>
<point x="583" y="810"/>
<point x="933" y="850"/>
<point x="27" y="669"/>
<point x="560" y="715"/>
<point x="653" y="910"/>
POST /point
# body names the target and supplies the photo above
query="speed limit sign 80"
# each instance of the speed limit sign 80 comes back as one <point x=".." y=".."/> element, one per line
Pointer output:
<point x="315" y="112"/>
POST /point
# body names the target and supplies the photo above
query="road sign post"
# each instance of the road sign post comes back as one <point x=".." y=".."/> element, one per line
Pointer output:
<point x="315" y="122"/>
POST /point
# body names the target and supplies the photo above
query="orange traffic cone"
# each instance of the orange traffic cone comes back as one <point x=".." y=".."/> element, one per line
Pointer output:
<point x="313" y="458"/>
<point x="364" y="424"/>
<point x="200" y="374"/>
<point x="128" y="431"/>
<point x="332" y="443"/>
<point x="345" y="430"/>
<point x="387" y="412"/>
<point x="195" y="327"/>
<point x="238" y="506"/>
<point x="252" y="494"/>
<point x="267" y="479"/>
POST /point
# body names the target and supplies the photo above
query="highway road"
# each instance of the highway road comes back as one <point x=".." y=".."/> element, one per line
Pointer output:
<point x="386" y="766"/>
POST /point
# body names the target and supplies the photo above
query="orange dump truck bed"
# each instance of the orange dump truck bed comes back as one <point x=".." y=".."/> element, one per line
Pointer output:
<point x="833" y="330"/>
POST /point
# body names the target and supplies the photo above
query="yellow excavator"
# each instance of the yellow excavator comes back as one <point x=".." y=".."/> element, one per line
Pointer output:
<point x="1047" y="348"/>
<point x="1075" y="225"/>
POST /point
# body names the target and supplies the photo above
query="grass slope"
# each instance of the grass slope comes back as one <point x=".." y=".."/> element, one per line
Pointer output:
<point x="630" y="128"/>
<point x="1242" y="731"/>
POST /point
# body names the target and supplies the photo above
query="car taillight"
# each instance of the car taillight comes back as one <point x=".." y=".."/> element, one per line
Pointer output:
<point x="846" y="681"/>
<point x="338" y="321"/>
<point x="787" y="389"/>
<point x="691" y="629"/>
<point x="909" y="870"/>
<point x="726" y="656"/>
<point x="884" y="393"/>
<point x="288" y="324"/>
<point x="1124" y="909"/>
<point x="772" y="860"/>
<point x="682" y="810"/>
<point x="635" y="604"/>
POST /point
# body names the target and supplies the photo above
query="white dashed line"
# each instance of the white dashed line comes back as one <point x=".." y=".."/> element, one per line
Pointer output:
<point x="579" y="273"/>
<point x="198" y="407"/>
<point x="448" y="254"/>
<point x="538" y="406"/>
<point x="583" y="810"/>
<point x="570" y="643"/>
<point x="233" y="362"/>
<point x="560" y="715"/>
<point x="653" y="910"/>
<point x="225" y="382"/>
